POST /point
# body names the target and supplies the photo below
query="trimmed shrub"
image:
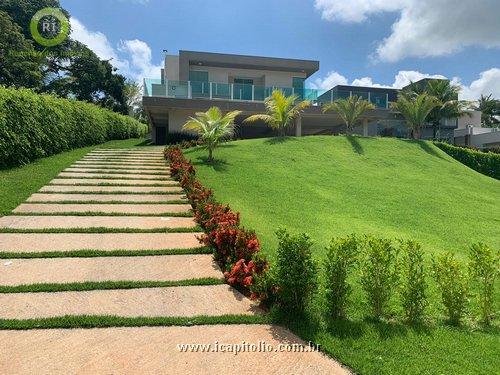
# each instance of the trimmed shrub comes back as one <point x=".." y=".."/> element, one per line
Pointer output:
<point x="487" y="163"/>
<point x="295" y="273"/>
<point x="33" y="126"/>
<point x="379" y="273"/>
<point x="342" y="256"/>
<point x="413" y="284"/>
<point x="484" y="269"/>
<point x="453" y="285"/>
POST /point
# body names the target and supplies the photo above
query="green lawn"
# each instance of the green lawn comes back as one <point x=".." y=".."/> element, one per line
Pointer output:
<point x="331" y="186"/>
<point x="19" y="183"/>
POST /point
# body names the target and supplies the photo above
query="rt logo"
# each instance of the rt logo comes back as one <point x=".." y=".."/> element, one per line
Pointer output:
<point x="49" y="27"/>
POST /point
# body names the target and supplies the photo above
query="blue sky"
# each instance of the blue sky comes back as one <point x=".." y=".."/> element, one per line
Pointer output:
<point x="370" y="42"/>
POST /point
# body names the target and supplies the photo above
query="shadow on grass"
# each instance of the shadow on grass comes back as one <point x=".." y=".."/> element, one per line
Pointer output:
<point x="356" y="145"/>
<point x="218" y="165"/>
<point x="425" y="146"/>
<point x="277" y="140"/>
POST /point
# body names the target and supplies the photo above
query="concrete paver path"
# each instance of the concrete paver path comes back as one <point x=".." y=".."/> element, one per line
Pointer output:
<point x="126" y="178"/>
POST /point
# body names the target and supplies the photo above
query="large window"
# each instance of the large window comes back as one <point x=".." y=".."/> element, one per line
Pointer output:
<point x="200" y="87"/>
<point x="298" y="86"/>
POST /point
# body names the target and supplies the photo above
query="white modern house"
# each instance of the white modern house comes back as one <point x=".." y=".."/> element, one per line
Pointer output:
<point x="195" y="81"/>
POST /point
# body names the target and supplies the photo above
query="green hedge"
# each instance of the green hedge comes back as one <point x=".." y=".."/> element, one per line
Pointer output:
<point x="34" y="126"/>
<point x="487" y="163"/>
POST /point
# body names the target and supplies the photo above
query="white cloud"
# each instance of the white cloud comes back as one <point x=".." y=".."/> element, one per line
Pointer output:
<point x="132" y="58"/>
<point x="332" y="79"/>
<point x="355" y="10"/>
<point x="488" y="83"/>
<point x="424" y="28"/>
<point x="403" y="78"/>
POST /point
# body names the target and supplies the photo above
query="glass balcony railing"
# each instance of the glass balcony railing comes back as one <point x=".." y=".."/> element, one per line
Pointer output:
<point x="226" y="91"/>
<point x="246" y="92"/>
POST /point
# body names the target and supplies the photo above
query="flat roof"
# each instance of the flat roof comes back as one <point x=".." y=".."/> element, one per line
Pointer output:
<point x="187" y="58"/>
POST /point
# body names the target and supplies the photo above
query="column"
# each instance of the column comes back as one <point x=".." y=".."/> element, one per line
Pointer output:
<point x="298" y="126"/>
<point x="365" y="127"/>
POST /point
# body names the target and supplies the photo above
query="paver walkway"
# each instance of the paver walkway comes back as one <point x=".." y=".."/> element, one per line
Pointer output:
<point x="68" y="235"/>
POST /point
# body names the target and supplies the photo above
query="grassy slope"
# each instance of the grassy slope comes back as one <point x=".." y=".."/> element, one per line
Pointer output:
<point x="19" y="183"/>
<point x="329" y="186"/>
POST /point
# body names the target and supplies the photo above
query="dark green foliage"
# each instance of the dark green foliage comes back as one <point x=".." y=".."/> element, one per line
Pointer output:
<point x="379" y="273"/>
<point x="342" y="254"/>
<point x="18" y="64"/>
<point x="453" y="285"/>
<point x="413" y="282"/>
<point x="484" y="269"/>
<point x="34" y="126"/>
<point x="487" y="163"/>
<point x="296" y="272"/>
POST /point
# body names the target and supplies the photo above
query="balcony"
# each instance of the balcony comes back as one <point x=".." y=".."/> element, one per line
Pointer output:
<point x="252" y="93"/>
<point x="224" y="91"/>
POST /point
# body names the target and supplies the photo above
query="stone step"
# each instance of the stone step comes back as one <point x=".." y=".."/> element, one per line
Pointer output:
<point x="115" y="222"/>
<point x="154" y="350"/>
<point x="160" y="198"/>
<point x="99" y="181"/>
<point x="111" y="189"/>
<point x="41" y="242"/>
<point x="129" y="168"/>
<point x="187" y="301"/>
<point x="140" y="176"/>
<point x="99" y="269"/>
<point x="136" y="209"/>
<point x="122" y="162"/>
<point x="127" y="152"/>
<point x="115" y="171"/>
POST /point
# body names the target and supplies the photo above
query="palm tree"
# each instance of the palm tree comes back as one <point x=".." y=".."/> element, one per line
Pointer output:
<point x="212" y="127"/>
<point x="490" y="111"/>
<point x="350" y="110"/>
<point x="415" y="110"/>
<point x="449" y="106"/>
<point x="281" y="110"/>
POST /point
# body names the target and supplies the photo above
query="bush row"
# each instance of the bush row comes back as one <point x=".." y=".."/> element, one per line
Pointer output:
<point x="236" y="249"/>
<point x="34" y="126"/>
<point x="487" y="163"/>
<point x="383" y="269"/>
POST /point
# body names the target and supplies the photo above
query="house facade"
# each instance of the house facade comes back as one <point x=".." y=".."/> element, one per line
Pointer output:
<point x="195" y="81"/>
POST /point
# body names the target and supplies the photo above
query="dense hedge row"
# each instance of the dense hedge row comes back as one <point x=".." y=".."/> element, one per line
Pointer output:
<point x="487" y="163"/>
<point x="33" y="126"/>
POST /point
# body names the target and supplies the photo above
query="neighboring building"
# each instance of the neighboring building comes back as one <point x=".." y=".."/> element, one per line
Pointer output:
<point x="469" y="133"/>
<point x="194" y="81"/>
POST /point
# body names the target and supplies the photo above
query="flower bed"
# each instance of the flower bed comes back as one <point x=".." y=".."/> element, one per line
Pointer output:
<point x="235" y="248"/>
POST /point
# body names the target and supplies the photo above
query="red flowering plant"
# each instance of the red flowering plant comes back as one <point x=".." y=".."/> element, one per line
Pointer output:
<point x="212" y="215"/>
<point x="235" y="248"/>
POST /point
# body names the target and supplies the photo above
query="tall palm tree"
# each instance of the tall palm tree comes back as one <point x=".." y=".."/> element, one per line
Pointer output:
<point x="415" y="110"/>
<point x="450" y="107"/>
<point x="281" y="110"/>
<point x="212" y="126"/>
<point x="490" y="111"/>
<point x="350" y="110"/>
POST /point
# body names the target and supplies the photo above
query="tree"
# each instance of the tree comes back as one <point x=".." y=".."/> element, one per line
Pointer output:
<point x="133" y="98"/>
<point x="450" y="107"/>
<point x="350" y="110"/>
<point x="415" y="109"/>
<point x="490" y="111"/>
<point x="212" y="127"/>
<point x="19" y="65"/>
<point x="281" y="110"/>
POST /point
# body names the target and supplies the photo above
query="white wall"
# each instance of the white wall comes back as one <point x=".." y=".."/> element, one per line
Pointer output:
<point x="177" y="118"/>
<point x="172" y="67"/>
<point x="474" y="120"/>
